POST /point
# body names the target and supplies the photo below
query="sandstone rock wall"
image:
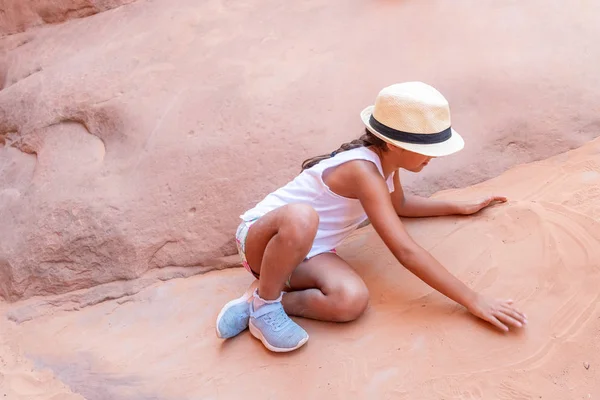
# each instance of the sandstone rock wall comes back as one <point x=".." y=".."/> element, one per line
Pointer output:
<point x="133" y="139"/>
<point x="19" y="15"/>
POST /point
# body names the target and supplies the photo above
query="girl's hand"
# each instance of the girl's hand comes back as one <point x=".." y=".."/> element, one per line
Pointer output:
<point x="472" y="207"/>
<point x="500" y="313"/>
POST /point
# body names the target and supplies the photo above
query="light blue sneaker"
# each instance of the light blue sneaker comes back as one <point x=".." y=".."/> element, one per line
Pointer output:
<point x="234" y="316"/>
<point x="272" y="326"/>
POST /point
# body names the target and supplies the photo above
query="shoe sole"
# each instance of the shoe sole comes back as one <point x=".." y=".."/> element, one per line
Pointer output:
<point x="247" y="295"/>
<point x="257" y="334"/>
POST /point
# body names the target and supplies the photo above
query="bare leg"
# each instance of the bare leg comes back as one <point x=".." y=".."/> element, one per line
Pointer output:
<point x="277" y="243"/>
<point x="326" y="288"/>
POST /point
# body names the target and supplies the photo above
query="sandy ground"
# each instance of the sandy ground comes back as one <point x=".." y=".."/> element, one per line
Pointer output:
<point x="541" y="248"/>
<point x="20" y="378"/>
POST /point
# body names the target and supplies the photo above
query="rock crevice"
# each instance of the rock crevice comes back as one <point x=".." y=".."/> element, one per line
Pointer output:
<point x="20" y="15"/>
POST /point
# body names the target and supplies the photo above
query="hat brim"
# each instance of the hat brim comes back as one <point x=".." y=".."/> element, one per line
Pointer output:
<point x="450" y="146"/>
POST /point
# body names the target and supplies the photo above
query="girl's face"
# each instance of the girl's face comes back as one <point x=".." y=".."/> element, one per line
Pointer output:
<point x="408" y="160"/>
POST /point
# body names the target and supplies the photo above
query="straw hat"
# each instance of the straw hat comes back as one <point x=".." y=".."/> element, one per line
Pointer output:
<point x="415" y="117"/>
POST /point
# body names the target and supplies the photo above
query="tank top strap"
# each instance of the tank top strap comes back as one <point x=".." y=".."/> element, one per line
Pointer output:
<point x="359" y="153"/>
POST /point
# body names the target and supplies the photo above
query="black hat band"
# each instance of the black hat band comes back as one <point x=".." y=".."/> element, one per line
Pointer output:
<point x="407" y="137"/>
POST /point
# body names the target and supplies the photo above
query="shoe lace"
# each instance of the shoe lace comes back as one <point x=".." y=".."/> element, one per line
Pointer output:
<point x="278" y="319"/>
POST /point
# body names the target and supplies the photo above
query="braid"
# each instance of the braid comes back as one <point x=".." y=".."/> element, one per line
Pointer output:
<point x="368" y="139"/>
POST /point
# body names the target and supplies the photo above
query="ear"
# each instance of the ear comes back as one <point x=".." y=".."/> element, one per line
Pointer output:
<point x="394" y="149"/>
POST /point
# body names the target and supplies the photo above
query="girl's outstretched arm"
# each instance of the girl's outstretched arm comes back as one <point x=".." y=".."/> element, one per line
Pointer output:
<point x="416" y="206"/>
<point x="371" y="190"/>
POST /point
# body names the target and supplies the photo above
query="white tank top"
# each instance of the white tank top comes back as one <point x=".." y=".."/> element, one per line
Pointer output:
<point x="338" y="216"/>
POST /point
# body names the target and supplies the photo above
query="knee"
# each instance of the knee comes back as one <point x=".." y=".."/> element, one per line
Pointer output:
<point x="351" y="301"/>
<point x="301" y="222"/>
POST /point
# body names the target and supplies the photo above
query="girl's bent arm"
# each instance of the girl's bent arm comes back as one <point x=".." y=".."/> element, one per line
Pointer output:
<point x="371" y="190"/>
<point x="374" y="196"/>
<point x="416" y="206"/>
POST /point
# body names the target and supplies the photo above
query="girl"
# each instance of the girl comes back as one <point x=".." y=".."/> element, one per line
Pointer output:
<point x="288" y="240"/>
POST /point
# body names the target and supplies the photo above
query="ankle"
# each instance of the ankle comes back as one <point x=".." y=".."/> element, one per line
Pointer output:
<point x="258" y="301"/>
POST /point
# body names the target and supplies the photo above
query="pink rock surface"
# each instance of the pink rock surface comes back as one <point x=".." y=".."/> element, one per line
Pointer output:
<point x="135" y="137"/>
<point x="541" y="249"/>
<point x="19" y="15"/>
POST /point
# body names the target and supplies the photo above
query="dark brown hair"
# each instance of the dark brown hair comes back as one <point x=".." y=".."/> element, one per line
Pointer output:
<point x="368" y="139"/>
